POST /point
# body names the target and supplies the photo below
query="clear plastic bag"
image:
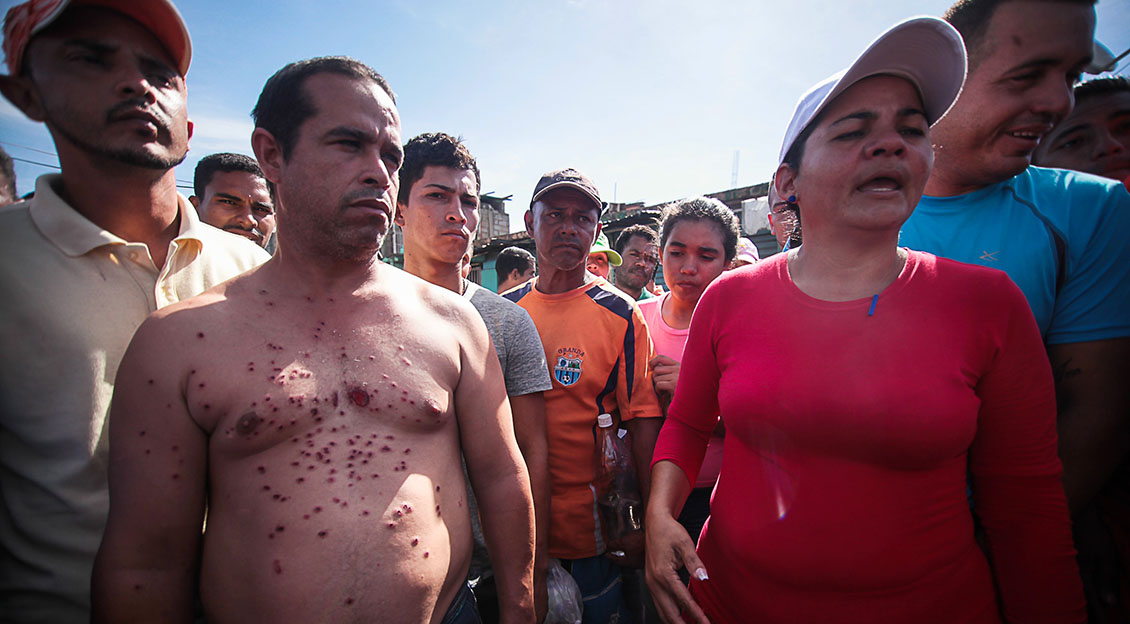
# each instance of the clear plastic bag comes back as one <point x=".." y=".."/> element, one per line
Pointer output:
<point x="565" y="606"/>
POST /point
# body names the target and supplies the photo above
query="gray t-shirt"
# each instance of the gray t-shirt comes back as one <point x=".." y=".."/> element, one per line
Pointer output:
<point x="515" y="338"/>
<point x="522" y="357"/>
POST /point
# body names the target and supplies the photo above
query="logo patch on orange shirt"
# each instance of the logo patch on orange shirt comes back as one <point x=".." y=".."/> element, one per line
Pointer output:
<point x="567" y="371"/>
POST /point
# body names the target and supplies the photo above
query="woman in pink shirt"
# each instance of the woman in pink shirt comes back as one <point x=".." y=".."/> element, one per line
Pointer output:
<point x="698" y="239"/>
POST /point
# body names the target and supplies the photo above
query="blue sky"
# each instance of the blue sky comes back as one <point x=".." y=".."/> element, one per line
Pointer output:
<point x="650" y="98"/>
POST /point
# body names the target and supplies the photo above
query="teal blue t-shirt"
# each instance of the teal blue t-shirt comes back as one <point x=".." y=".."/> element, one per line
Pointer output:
<point x="1062" y="236"/>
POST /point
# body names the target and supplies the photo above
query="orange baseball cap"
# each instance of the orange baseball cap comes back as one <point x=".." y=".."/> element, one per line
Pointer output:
<point x="160" y="17"/>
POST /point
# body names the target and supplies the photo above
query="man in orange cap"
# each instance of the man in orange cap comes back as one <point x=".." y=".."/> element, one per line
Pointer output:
<point x="99" y="247"/>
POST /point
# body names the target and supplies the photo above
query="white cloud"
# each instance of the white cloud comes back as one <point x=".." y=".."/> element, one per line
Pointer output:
<point x="215" y="133"/>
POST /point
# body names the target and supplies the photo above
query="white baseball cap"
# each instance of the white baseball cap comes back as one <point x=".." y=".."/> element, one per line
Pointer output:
<point x="927" y="51"/>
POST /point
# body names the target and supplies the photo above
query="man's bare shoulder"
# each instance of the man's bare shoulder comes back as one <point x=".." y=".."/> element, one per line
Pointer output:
<point x="210" y="306"/>
<point x="431" y="298"/>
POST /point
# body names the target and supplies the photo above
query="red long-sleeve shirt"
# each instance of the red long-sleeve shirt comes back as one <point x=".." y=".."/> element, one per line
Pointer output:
<point x="842" y="494"/>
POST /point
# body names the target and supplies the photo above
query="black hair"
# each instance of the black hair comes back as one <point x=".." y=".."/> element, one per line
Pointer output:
<point x="638" y="229"/>
<point x="434" y="149"/>
<point x="513" y="259"/>
<point x="1101" y="86"/>
<point x="702" y="209"/>
<point x="971" y="18"/>
<point x="223" y="162"/>
<point x="284" y="105"/>
<point x="8" y="170"/>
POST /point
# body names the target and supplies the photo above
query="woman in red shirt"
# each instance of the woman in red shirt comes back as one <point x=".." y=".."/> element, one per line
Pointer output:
<point x="861" y="382"/>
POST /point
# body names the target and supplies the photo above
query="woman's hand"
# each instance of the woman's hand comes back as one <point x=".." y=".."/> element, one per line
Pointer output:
<point x="670" y="548"/>
<point x="664" y="374"/>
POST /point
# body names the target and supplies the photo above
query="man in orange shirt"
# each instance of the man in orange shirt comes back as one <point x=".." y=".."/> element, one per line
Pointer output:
<point x="597" y="346"/>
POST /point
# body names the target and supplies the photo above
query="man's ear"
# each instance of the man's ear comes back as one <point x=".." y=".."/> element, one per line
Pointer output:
<point x="529" y="218"/>
<point x="20" y="92"/>
<point x="269" y="154"/>
<point x="599" y="227"/>
<point x="398" y="218"/>
<point x="195" y="202"/>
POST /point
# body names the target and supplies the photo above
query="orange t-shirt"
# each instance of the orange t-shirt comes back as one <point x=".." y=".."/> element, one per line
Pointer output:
<point x="597" y="348"/>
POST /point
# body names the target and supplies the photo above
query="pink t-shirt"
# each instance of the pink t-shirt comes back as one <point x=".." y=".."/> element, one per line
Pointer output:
<point x="670" y="342"/>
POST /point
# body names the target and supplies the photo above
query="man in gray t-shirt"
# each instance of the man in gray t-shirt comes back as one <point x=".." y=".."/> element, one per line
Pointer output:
<point x="438" y="211"/>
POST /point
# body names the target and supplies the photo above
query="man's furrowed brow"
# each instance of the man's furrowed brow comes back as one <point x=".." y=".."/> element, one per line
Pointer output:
<point x="910" y="112"/>
<point x="97" y="47"/>
<point x="347" y="132"/>
<point x="1073" y="129"/>
<point x="1039" y="63"/>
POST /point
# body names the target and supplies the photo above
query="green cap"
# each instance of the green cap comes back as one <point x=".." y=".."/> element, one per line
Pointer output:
<point x="601" y="246"/>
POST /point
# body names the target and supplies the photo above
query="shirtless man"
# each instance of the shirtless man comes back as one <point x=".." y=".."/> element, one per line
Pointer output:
<point x="317" y="406"/>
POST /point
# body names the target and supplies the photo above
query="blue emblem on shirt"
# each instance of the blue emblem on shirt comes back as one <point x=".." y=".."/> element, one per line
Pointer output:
<point x="567" y="371"/>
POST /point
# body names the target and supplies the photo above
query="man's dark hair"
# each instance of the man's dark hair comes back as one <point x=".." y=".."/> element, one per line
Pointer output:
<point x="638" y="229"/>
<point x="1098" y="87"/>
<point x="434" y="149"/>
<point x="971" y="19"/>
<point x="510" y="259"/>
<point x="223" y="162"/>
<point x="284" y="105"/>
<point x="702" y="209"/>
<point x="8" y="171"/>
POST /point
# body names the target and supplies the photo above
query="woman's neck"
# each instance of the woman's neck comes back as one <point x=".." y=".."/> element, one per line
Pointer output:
<point x="677" y="312"/>
<point x="847" y="269"/>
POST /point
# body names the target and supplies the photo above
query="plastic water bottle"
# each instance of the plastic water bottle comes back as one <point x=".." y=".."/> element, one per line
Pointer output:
<point x="614" y="478"/>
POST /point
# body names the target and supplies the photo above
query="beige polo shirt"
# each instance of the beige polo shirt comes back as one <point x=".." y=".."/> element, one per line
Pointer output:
<point x="71" y="297"/>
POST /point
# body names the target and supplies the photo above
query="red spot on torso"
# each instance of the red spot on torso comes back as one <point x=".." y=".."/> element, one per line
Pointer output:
<point x="359" y="397"/>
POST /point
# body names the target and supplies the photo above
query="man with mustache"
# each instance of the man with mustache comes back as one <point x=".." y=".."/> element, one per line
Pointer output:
<point x="597" y="347"/>
<point x="318" y="408"/>
<point x="233" y="195"/>
<point x="1059" y="235"/>
<point x="638" y="246"/>
<point x="100" y="246"/>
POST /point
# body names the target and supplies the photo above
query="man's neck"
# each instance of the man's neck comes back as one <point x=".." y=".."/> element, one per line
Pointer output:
<point x="634" y="293"/>
<point x="554" y="281"/>
<point x="133" y="203"/>
<point x="447" y="276"/>
<point x="305" y="271"/>
<point x="941" y="185"/>
<point x="951" y="175"/>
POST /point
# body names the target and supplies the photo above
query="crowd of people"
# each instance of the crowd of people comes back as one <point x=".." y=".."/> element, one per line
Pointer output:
<point x="227" y="407"/>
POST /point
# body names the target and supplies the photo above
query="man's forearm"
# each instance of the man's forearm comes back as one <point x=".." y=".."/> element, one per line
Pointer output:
<point x="530" y="432"/>
<point x="645" y="431"/>
<point x="1091" y="447"/>
<point x="506" y="509"/>
<point x="119" y="594"/>
<point x="1094" y="413"/>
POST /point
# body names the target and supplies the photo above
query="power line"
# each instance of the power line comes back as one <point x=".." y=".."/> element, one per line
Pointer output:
<point x="32" y="149"/>
<point x="32" y="162"/>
